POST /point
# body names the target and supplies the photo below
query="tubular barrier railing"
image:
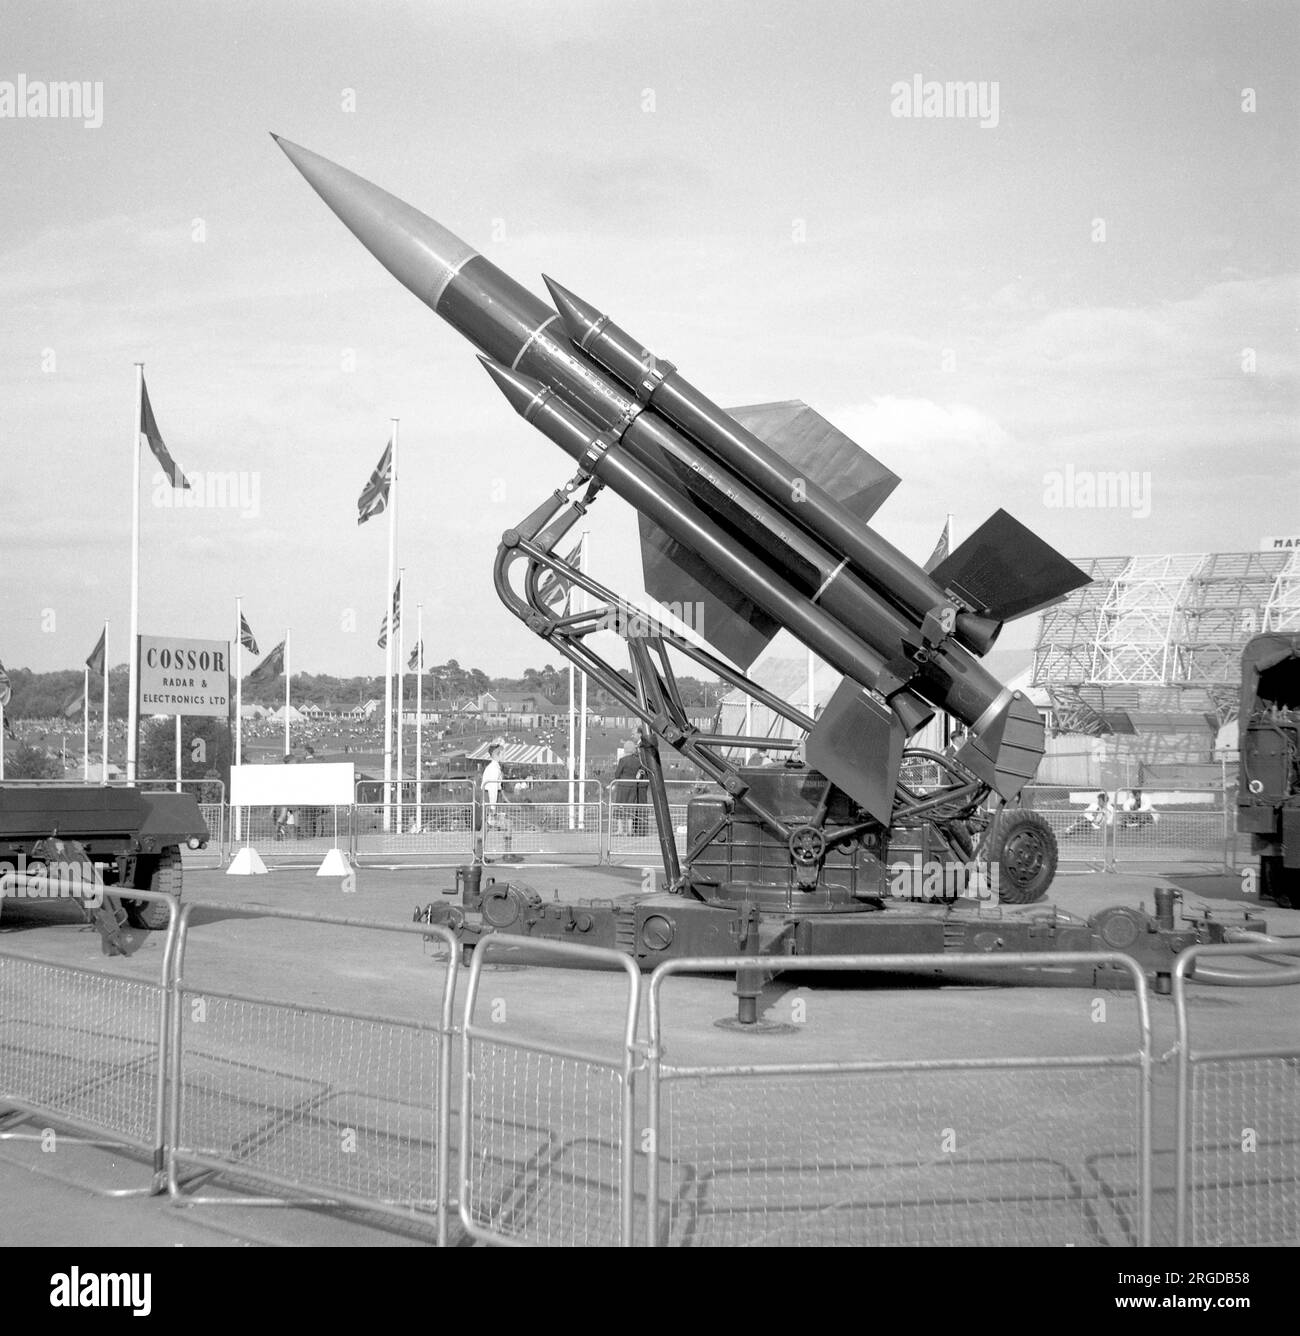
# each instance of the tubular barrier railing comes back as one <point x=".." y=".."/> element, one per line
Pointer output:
<point x="1237" y="1153"/>
<point x="798" y="1163"/>
<point x="1185" y="827"/>
<point x="84" y="1047"/>
<point x="547" y="1150"/>
<point x="573" y="1132"/>
<point x="320" y="1102"/>
<point x="282" y="834"/>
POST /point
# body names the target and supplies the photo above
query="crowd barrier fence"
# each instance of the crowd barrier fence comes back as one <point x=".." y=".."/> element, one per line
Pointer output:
<point x="576" y="1130"/>
<point x="1237" y="1150"/>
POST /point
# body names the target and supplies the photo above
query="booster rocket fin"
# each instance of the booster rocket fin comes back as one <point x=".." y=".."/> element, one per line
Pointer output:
<point x="1004" y="571"/>
<point x="857" y="743"/>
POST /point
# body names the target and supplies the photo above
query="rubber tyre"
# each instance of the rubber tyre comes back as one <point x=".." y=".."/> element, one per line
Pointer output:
<point x="1023" y="848"/>
<point x="1278" y="883"/>
<point x="163" y="873"/>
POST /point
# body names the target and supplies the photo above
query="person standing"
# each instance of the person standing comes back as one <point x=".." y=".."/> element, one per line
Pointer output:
<point x="493" y="778"/>
<point x="624" y="791"/>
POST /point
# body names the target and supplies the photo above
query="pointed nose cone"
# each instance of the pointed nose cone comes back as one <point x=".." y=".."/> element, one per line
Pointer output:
<point x="421" y="254"/>
<point x="523" y="393"/>
<point x="578" y="317"/>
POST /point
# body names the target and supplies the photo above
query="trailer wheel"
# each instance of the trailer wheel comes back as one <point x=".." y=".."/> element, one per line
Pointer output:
<point x="1279" y="883"/>
<point x="161" y="873"/>
<point x="1023" y="850"/>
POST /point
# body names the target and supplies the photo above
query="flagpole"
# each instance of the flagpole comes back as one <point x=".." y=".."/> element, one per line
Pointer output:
<point x="85" y="723"/>
<point x="2" y="740"/>
<point x="178" y="753"/>
<point x="401" y="683"/>
<point x="288" y="741"/>
<point x="419" y="711"/>
<point x="582" y="736"/>
<point x="388" y="639"/>
<point x="103" y="779"/>
<point x="572" y="731"/>
<point x="239" y="697"/>
<point x="133" y="704"/>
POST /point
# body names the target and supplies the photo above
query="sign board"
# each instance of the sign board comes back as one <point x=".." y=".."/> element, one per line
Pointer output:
<point x="329" y="784"/>
<point x="184" y="676"/>
<point x="1284" y="543"/>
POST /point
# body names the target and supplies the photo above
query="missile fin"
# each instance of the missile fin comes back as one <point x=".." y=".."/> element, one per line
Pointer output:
<point x="712" y="607"/>
<point x="1005" y="571"/>
<point x="857" y="743"/>
<point x="822" y="453"/>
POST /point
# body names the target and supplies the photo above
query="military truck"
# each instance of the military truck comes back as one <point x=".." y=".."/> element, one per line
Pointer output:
<point x="86" y="841"/>
<point x="1268" y="791"/>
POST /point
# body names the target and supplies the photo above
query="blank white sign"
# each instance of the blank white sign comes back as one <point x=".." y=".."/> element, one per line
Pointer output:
<point x="332" y="784"/>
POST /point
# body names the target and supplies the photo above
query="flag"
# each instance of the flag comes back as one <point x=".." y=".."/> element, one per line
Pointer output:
<point x="271" y="666"/>
<point x="149" y="428"/>
<point x="416" y="661"/>
<point x="9" y="728"/>
<point x="549" y="586"/>
<point x="941" y="548"/>
<point x="96" y="660"/>
<point x="246" y="637"/>
<point x="5" y="689"/>
<point x="396" y="617"/>
<point x="73" y="705"/>
<point x="374" y="495"/>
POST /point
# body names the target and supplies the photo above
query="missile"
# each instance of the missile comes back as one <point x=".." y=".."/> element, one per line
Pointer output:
<point x="717" y="515"/>
<point x="693" y="527"/>
<point x="658" y="385"/>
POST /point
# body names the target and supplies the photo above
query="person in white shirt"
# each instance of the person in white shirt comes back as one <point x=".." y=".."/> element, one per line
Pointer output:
<point x="1097" y="814"/>
<point x="1138" y="811"/>
<point x="492" y="779"/>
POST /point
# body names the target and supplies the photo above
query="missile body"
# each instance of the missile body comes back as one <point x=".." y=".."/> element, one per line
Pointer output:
<point x="638" y="486"/>
<point x="714" y="488"/>
<point x="658" y="385"/>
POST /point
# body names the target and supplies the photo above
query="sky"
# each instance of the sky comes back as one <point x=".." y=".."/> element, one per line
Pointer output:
<point x="1093" y="274"/>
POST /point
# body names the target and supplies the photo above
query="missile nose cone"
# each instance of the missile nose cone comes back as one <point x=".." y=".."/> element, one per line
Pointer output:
<point x="578" y="317"/>
<point x="422" y="255"/>
<point x="523" y="393"/>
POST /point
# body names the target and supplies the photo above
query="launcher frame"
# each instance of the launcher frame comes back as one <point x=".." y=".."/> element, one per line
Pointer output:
<point x="945" y="800"/>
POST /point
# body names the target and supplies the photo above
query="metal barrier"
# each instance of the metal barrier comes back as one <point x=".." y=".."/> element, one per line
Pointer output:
<point x="1238" y="1120"/>
<point x="1179" y="837"/>
<point x="633" y="836"/>
<point x="546" y="1151"/>
<point x="631" y="832"/>
<point x="281" y="834"/>
<point x="866" y="1151"/>
<point x="1191" y="828"/>
<point x="84" y="1047"/>
<point x="315" y="1101"/>
<point x="435" y="821"/>
<point x="559" y="829"/>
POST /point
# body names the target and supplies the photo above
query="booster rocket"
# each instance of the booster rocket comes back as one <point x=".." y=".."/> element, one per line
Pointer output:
<point x="758" y="515"/>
